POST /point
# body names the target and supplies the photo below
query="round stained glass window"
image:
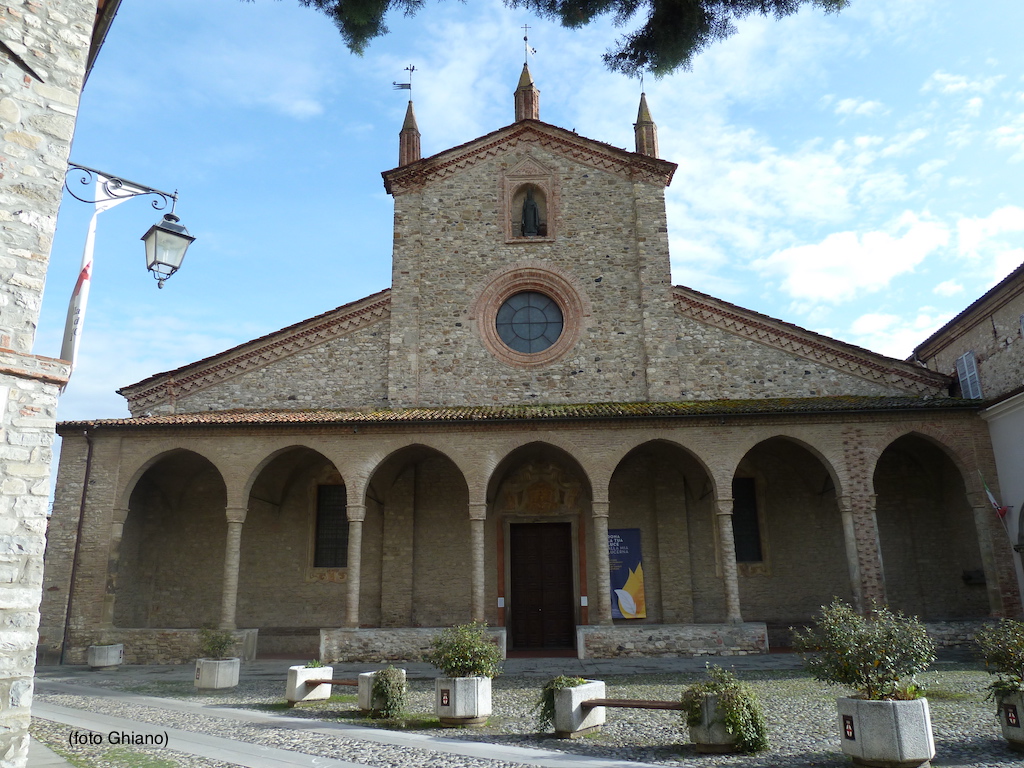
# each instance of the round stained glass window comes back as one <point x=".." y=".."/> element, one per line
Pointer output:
<point x="529" y="322"/>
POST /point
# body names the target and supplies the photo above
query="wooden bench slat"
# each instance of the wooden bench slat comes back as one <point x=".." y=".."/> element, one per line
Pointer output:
<point x="631" y="704"/>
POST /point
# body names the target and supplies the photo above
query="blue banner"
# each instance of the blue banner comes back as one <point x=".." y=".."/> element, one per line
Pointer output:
<point x="627" y="574"/>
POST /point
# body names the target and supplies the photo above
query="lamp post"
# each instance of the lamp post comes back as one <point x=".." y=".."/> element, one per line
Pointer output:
<point x="166" y="241"/>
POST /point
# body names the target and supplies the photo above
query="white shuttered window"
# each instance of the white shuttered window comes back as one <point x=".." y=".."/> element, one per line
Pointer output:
<point x="967" y="370"/>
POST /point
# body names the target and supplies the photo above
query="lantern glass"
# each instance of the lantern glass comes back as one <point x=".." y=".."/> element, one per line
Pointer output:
<point x="166" y="243"/>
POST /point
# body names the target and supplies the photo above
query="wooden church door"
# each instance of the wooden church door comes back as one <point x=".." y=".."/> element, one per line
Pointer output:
<point x="542" y="614"/>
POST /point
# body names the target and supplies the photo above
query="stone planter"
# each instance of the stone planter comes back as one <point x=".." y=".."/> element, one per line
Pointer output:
<point x="212" y="674"/>
<point x="367" y="701"/>
<point x="105" y="656"/>
<point x="886" y="734"/>
<point x="571" y="719"/>
<point x="298" y="689"/>
<point x="1011" y="712"/>
<point x="462" y="700"/>
<point x="711" y="736"/>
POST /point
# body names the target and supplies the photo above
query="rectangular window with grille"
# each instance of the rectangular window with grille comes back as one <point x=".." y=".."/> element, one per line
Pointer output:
<point x="331" y="547"/>
<point x="746" y="528"/>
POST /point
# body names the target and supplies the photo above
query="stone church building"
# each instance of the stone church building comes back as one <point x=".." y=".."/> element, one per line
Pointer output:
<point x="532" y="427"/>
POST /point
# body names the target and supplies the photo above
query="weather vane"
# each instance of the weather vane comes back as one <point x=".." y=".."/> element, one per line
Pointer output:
<point x="526" y="43"/>
<point x="406" y="86"/>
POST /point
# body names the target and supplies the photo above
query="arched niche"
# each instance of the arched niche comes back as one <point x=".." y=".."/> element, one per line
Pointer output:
<point x="528" y="212"/>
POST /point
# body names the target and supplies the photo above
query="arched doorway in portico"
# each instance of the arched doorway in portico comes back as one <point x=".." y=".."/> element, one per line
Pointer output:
<point x="540" y="502"/>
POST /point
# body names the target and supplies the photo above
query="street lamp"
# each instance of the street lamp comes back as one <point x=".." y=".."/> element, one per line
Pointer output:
<point x="166" y="241"/>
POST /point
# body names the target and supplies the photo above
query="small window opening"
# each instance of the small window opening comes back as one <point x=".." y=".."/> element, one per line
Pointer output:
<point x="746" y="528"/>
<point x="331" y="547"/>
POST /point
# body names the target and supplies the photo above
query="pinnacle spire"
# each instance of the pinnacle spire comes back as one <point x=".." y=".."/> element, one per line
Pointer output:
<point x="527" y="97"/>
<point x="409" y="138"/>
<point x="645" y="131"/>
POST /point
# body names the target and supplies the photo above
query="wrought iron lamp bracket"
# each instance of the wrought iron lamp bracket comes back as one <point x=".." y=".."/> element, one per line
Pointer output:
<point x="114" y="188"/>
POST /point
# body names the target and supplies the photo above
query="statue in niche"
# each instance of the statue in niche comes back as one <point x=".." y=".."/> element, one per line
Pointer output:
<point x="531" y="216"/>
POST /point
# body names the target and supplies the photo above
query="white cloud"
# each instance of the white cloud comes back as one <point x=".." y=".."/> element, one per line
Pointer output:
<point x="896" y="335"/>
<point x="845" y="264"/>
<point x="1011" y="136"/>
<point x="859" y="107"/>
<point x="948" y="288"/>
<point x="973" y="106"/>
<point x="943" y="82"/>
<point x="983" y="237"/>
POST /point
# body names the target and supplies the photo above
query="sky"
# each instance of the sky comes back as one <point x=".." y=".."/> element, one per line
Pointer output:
<point x="858" y="174"/>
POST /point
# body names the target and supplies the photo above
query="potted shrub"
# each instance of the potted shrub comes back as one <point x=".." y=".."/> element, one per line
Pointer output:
<point x="468" y="659"/>
<point x="561" y="705"/>
<point x="724" y="715"/>
<point x="215" y="668"/>
<point x="888" y="723"/>
<point x="109" y="656"/>
<point x="298" y="687"/>
<point x="1002" y="645"/>
<point x="385" y="694"/>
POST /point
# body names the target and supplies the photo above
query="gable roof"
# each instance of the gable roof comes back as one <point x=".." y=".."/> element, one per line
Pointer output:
<point x="258" y="352"/>
<point x="630" y="165"/>
<point x="795" y="340"/>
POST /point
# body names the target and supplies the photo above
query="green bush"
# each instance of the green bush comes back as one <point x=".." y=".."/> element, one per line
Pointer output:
<point x="740" y="708"/>
<point x="465" y="651"/>
<point x="314" y="664"/>
<point x="545" y="706"/>
<point x="1002" y="645"/>
<point x="390" y="688"/>
<point x="215" y="643"/>
<point x="873" y="655"/>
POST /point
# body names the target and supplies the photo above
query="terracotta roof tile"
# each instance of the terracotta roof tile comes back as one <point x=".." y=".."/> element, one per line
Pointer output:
<point x="506" y="413"/>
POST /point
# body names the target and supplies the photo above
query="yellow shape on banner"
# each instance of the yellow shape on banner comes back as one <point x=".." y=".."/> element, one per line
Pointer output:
<point x="632" y="601"/>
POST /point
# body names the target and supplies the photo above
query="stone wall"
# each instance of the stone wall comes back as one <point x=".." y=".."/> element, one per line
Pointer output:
<point x="155" y="646"/>
<point x="599" y="642"/>
<point x="384" y="645"/>
<point x="38" y="105"/>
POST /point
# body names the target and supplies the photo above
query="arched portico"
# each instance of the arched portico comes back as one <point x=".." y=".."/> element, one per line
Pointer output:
<point x="931" y="557"/>
<point x="540" y="498"/>
<point x="788" y="525"/>
<point x="163" y="571"/>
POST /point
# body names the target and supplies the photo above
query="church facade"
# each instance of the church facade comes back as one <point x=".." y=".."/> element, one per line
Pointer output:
<point x="532" y="427"/>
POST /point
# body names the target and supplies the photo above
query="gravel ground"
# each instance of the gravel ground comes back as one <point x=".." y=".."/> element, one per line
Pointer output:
<point x="800" y="714"/>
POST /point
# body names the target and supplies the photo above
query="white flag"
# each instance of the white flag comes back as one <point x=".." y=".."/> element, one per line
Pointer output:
<point x="80" y="296"/>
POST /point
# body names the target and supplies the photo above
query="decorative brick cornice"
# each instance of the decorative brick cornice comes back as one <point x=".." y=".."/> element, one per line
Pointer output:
<point x="807" y="344"/>
<point x="532" y="133"/>
<point x="169" y="386"/>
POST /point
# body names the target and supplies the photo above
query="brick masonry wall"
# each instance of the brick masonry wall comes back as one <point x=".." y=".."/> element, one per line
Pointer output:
<point x="38" y="106"/>
<point x="377" y="646"/>
<point x="156" y="646"/>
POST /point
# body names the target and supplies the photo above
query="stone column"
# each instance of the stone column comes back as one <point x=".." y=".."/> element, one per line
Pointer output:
<point x="477" y="517"/>
<point x="232" y="557"/>
<point x="852" y="559"/>
<point x="869" y="549"/>
<point x="356" y="515"/>
<point x="602" y="564"/>
<point x="727" y="554"/>
<point x="983" y="514"/>
<point x="113" y="563"/>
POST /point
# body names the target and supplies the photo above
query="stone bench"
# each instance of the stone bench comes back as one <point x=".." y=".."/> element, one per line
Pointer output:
<point x="581" y="709"/>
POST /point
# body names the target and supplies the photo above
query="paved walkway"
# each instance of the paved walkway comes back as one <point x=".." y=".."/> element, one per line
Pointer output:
<point x="75" y="680"/>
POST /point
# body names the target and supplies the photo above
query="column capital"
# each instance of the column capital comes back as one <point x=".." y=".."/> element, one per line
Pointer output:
<point x="236" y="514"/>
<point x="599" y="509"/>
<point x="723" y="506"/>
<point x="355" y="513"/>
<point x="478" y="510"/>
